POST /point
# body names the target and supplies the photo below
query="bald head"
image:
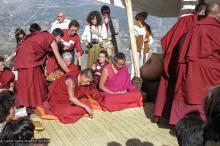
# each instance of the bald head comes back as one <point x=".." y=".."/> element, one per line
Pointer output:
<point x="214" y="10"/>
<point x="60" y="16"/>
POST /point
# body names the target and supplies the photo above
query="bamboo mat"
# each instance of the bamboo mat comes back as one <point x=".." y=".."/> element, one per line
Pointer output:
<point x="130" y="127"/>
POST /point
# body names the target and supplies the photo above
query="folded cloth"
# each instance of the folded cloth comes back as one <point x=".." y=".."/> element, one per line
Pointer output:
<point x="38" y="126"/>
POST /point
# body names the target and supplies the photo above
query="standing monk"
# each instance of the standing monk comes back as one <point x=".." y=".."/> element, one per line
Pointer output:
<point x="30" y="56"/>
<point x="199" y="65"/>
<point x="170" y="45"/>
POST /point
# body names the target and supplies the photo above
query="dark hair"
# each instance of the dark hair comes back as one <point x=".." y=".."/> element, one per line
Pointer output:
<point x="105" y="9"/>
<point x="19" y="31"/>
<point x="88" y="73"/>
<point x="141" y="14"/>
<point x="189" y="130"/>
<point x="119" y="56"/>
<point x="18" y="130"/>
<point x="74" y="23"/>
<point x="7" y="101"/>
<point x="200" y="7"/>
<point x="57" y="32"/>
<point x="92" y="15"/>
<point x="34" y="28"/>
<point x="148" y="27"/>
<point x="2" y="59"/>
<point x="104" y="52"/>
<point x="212" y="111"/>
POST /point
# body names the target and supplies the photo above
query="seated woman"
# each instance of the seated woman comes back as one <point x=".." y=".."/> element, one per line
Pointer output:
<point x="98" y="66"/>
<point x="6" y="77"/>
<point x="67" y="57"/>
<point x="118" y="91"/>
<point x="67" y="96"/>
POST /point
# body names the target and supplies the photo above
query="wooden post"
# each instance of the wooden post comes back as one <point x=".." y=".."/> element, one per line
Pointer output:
<point x="132" y="37"/>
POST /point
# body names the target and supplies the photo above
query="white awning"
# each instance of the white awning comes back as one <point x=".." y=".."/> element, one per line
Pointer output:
<point x="160" y="8"/>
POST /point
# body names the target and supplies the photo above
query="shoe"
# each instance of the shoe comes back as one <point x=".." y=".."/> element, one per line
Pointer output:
<point x="172" y="132"/>
<point x="156" y="119"/>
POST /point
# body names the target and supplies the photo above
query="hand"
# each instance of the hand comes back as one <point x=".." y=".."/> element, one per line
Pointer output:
<point x="93" y="31"/>
<point x="98" y="73"/>
<point x="66" y="48"/>
<point x="11" y="89"/>
<point x="7" y="61"/>
<point x="79" y="57"/>
<point x="45" y="72"/>
<point x="123" y="91"/>
<point x="105" y="20"/>
<point x="89" y="111"/>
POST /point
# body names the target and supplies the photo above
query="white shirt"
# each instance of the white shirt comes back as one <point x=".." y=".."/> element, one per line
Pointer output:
<point x="138" y="31"/>
<point x="86" y="35"/>
<point x="62" y="25"/>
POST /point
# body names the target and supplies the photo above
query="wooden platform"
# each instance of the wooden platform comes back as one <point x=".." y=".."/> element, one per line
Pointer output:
<point x="130" y="127"/>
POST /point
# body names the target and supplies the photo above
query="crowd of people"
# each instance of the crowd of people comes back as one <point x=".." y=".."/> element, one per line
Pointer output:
<point x="45" y="69"/>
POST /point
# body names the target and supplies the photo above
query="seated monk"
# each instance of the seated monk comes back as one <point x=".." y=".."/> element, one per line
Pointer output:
<point x="98" y="66"/>
<point x="67" y="96"/>
<point x="6" y="77"/>
<point x="67" y="57"/>
<point x="118" y="91"/>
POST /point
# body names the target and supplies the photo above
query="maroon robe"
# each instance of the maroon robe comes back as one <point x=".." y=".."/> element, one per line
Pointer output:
<point x="6" y="77"/>
<point x="30" y="56"/>
<point x="52" y="64"/>
<point x="59" y="99"/>
<point x="170" y="45"/>
<point x="199" y="68"/>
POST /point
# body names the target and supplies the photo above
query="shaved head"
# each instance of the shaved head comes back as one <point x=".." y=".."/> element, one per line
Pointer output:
<point x="60" y="16"/>
<point x="213" y="10"/>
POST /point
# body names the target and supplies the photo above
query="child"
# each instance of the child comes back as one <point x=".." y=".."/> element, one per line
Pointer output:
<point x="98" y="66"/>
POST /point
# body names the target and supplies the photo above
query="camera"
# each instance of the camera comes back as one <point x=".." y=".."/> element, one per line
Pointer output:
<point x="89" y="45"/>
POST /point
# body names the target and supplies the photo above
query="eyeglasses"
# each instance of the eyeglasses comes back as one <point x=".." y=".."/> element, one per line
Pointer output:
<point x="59" y="16"/>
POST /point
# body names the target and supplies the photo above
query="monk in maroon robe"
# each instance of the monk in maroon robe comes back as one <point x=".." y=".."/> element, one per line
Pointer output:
<point x="118" y="91"/>
<point x="199" y="65"/>
<point x="171" y="43"/>
<point x="68" y="96"/>
<point x="30" y="56"/>
<point x="52" y="64"/>
<point x="6" y="77"/>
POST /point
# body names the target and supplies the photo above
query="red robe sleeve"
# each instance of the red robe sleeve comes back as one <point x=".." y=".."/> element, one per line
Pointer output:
<point x="170" y="41"/>
<point x="6" y="77"/>
<point x="78" y="45"/>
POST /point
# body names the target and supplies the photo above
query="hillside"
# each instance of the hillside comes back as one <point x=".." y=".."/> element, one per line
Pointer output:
<point x="21" y="13"/>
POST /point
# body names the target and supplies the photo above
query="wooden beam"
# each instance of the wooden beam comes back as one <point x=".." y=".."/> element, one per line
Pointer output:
<point x="132" y="37"/>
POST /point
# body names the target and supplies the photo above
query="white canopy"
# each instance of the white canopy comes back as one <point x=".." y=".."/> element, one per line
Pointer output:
<point x="160" y="8"/>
